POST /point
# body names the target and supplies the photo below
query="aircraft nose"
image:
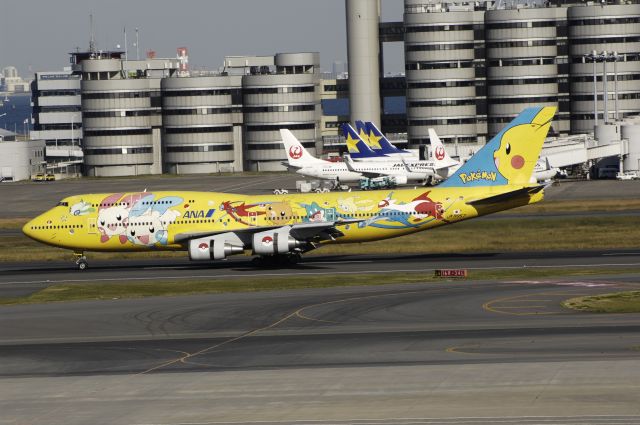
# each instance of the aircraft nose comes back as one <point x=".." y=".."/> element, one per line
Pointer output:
<point x="27" y="229"/>
<point x="30" y="228"/>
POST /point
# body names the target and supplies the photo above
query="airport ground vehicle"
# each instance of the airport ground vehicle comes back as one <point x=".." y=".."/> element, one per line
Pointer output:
<point x="42" y="177"/>
<point x="627" y="175"/>
<point x="377" y="183"/>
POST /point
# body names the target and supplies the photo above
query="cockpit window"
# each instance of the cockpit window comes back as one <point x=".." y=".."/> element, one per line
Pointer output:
<point x="63" y="204"/>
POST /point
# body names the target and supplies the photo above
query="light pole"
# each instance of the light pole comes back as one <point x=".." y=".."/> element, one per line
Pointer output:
<point x="594" y="57"/>
<point x="606" y="57"/>
<point x="615" y="58"/>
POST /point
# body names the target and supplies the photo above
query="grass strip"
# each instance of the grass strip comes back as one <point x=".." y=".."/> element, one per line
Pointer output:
<point x="619" y="302"/>
<point x="176" y="287"/>
<point x="518" y="234"/>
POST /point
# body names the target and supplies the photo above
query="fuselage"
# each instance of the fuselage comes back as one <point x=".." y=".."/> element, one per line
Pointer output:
<point x="168" y="220"/>
<point x="415" y="171"/>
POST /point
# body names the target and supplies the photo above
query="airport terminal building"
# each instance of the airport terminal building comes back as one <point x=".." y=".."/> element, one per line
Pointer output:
<point x="151" y="116"/>
<point x="470" y="67"/>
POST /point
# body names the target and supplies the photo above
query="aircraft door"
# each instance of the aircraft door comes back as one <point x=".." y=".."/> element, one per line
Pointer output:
<point x="330" y="214"/>
<point x="91" y="226"/>
<point x="253" y="218"/>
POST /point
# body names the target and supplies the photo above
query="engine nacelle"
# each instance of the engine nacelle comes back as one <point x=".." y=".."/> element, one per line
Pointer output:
<point x="277" y="241"/>
<point x="216" y="247"/>
<point x="400" y="179"/>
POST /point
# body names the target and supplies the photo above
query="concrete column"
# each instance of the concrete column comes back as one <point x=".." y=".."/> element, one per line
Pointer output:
<point x="363" y="46"/>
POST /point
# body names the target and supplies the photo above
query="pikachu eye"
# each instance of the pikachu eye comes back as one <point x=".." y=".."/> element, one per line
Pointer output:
<point x="508" y="148"/>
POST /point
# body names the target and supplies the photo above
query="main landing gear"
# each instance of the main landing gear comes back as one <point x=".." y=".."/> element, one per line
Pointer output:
<point x="81" y="260"/>
<point x="277" y="260"/>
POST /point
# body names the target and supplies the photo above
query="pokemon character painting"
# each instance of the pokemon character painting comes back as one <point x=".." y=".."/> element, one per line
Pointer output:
<point x="213" y="225"/>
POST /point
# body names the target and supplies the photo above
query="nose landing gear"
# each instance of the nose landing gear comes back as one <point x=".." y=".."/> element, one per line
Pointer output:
<point x="81" y="260"/>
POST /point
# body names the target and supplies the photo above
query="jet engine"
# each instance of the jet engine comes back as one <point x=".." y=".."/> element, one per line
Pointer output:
<point x="400" y="178"/>
<point x="216" y="247"/>
<point x="273" y="242"/>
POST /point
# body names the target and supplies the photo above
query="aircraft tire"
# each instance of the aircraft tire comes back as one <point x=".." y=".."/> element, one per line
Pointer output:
<point x="82" y="264"/>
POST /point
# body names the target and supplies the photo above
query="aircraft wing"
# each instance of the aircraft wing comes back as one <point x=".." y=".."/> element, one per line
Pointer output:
<point x="368" y="174"/>
<point x="506" y="196"/>
<point x="289" y="166"/>
<point x="311" y="232"/>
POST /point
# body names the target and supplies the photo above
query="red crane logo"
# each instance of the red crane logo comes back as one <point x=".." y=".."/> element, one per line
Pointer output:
<point x="440" y="153"/>
<point x="295" y="152"/>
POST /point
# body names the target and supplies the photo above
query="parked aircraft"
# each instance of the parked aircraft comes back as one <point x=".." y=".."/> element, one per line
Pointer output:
<point x="363" y="145"/>
<point x="300" y="161"/>
<point x="213" y="226"/>
<point x="543" y="171"/>
<point x="374" y="138"/>
<point x="445" y="165"/>
<point x="306" y="164"/>
<point x="440" y="162"/>
<point x="358" y="147"/>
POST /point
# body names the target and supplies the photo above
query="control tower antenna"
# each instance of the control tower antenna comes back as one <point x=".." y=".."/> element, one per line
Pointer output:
<point x="92" y="40"/>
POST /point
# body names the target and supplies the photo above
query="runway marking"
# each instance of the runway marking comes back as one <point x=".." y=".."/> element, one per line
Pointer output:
<point x="565" y="283"/>
<point x="324" y="272"/>
<point x="302" y="316"/>
<point x="568" y="420"/>
<point x="457" y="349"/>
<point x="185" y="359"/>
<point x="492" y="306"/>
<point x="186" y="267"/>
<point x="522" y="306"/>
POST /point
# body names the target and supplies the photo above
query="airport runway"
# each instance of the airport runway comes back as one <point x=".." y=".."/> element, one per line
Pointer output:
<point x="23" y="278"/>
<point x="449" y="352"/>
<point x="463" y="352"/>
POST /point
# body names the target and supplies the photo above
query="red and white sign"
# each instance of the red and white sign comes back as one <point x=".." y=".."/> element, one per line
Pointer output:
<point x="295" y="152"/>
<point x="203" y="246"/>
<point x="267" y="240"/>
<point x="440" y="153"/>
<point x="451" y="273"/>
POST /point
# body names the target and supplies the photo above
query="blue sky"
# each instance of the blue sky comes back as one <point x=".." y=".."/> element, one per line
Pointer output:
<point x="37" y="35"/>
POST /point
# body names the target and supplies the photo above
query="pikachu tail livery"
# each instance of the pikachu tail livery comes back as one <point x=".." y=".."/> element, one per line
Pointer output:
<point x="279" y="228"/>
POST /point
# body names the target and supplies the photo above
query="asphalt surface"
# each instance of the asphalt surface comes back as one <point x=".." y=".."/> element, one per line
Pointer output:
<point x="447" y="352"/>
<point x="451" y="352"/>
<point x="498" y="352"/>
<point x="23" y="278"/>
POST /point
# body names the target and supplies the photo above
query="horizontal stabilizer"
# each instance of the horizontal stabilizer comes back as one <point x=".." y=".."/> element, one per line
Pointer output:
<point x="504" y="197"/>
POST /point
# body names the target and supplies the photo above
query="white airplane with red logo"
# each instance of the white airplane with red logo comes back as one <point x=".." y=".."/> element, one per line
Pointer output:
<point x="444" y="165"/>
<point x="300" y="161"/>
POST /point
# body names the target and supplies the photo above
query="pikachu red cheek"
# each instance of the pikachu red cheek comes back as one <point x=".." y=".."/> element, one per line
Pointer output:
<point x="517" y="162"/>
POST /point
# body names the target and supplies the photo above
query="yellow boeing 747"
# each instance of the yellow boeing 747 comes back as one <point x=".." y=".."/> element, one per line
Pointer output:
<point x="213" y="226"/>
